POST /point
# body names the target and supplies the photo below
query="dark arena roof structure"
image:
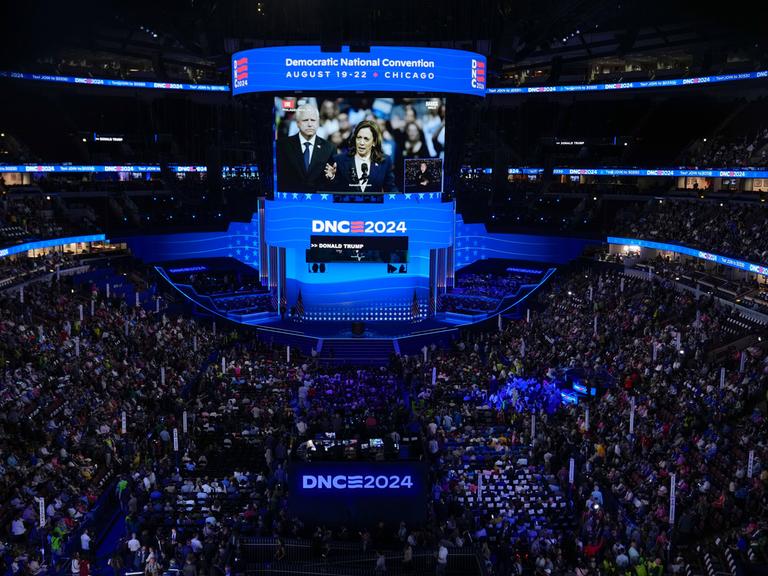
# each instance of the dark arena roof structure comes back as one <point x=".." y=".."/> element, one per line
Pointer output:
<point x="336" y="288"/>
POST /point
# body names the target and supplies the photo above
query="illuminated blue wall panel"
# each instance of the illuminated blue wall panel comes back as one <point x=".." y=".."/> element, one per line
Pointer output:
<point x="240" y="241"/>
<point x="351" y="290"/>
<point x="474" y="243"/>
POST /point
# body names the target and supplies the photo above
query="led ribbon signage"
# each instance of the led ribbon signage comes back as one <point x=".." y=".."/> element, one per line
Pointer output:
<point x="713" y="173"/>
<point x="684" y="172"/>
<point x="243" y="81"/>
<point x="76" y="168"/>
<point x="116" y="83"/>
<point x="26" y="246"/>
<point x="698" y="81"/>
<point x="79" y="168"/>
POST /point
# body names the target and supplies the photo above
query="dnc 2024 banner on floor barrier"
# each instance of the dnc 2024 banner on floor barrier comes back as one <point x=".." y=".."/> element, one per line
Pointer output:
<point x="351" y="493"/>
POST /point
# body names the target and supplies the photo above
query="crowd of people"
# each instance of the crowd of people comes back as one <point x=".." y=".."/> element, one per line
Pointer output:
<point x="726" y="152"/>
<point x="499" y="482"/>
<point x="51" y="207"/>
<point x="409" y="129"/>
<point x="16" y="269"/>
<point x="67" y="384"/>
<point x="492" y="285"/>
<point x="476" y="292"/>
<point x="704" y="439"/>
<point x="222" y="282"/>
<point x="712" y="279"/>
<point x="725" y="228"/>
<point x="23" y="218"/>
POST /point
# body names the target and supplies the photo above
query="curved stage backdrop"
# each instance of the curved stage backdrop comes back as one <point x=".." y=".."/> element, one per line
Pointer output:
<point x="356" y="261"/>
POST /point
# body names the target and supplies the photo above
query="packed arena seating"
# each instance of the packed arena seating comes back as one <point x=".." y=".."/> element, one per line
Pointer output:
<point x="710" y="279"/>
<point x="229" y="291"/>
<point x="65" y="385"/>
<point x="157" y="429"/>
<point x="18" y="270"/>
<point x="555" y="213"/>
<point x="46" y="210"/>
<point x="483" y="292"/>
<point x="742" y="142"/>
<point x="494" y="486"/>
<point x="198" y="480"/>
<point x="727" y="228"/>
<point x="737" y="152"/>
<point x="629" y="468"/>
<point x="51" y="206"/>
<point x="29" y="217"/>
<point x="222" y="282"/>
<point x="495" y="489"/>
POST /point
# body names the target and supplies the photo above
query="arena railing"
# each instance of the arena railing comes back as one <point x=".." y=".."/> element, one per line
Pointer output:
<point x="258" y="557"/>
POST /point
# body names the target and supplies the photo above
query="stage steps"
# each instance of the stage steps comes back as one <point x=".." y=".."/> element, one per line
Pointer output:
<point x="356" y="350"/>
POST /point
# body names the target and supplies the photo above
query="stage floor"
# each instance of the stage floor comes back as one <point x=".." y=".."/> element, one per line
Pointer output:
<point x="178" y="275"/>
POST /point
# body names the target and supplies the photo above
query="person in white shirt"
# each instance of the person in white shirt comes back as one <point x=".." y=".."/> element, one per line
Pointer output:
<point x="134" y="544"/>
<point x="85" y="542"/>
<point x="442" y="559"/>
<point x="18" y="530"/>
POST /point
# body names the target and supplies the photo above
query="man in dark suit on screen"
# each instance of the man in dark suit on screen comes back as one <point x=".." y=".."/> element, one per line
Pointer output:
<point x="301" y="158"/>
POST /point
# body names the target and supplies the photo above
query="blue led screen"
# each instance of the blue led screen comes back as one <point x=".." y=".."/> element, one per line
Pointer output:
<point x="474" y="242"/>
<point x="358" y="290"/>
<point x="240" y="241"/>
<point x="384" y="69"/>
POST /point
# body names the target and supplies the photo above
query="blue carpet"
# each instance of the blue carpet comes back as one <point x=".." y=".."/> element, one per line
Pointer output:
<point x="108" y="545"/>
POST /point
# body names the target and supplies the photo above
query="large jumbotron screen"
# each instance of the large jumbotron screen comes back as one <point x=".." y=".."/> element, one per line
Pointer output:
<point x="359" y="144"/>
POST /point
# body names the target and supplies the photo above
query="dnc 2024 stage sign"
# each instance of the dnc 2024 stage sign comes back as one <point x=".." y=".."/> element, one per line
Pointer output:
<point x="383" y="69"/>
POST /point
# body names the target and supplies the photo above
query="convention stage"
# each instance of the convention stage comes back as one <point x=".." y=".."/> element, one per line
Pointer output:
<point x="229" y="289"/>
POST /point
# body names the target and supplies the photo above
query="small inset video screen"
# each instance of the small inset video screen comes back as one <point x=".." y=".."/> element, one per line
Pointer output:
<point x="424" y="175"/>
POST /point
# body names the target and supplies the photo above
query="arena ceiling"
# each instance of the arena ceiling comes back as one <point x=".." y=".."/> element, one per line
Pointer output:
<point x="515" y="35"/>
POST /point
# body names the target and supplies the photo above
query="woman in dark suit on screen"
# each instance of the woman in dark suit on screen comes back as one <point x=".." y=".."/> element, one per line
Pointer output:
<point x="365" y="168"/>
